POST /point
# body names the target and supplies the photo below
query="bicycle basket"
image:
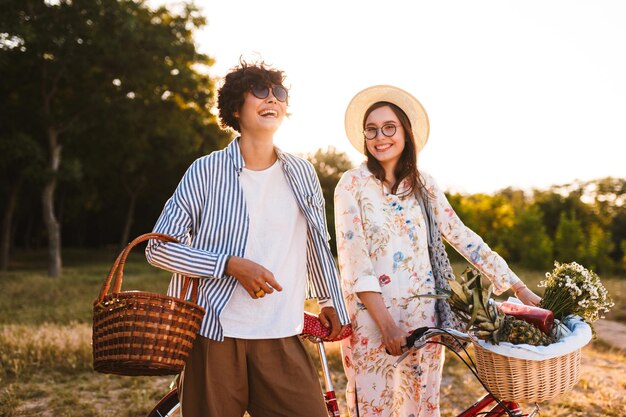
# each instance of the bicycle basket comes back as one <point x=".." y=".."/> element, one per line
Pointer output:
<point x="142" y="333"/>
<point x="522" y="380"/>
<point x="533" y="374"/>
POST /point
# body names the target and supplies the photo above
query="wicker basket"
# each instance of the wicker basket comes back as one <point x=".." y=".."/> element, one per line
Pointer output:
<point x="142" y="333"/>
<point x="521" y="380"/>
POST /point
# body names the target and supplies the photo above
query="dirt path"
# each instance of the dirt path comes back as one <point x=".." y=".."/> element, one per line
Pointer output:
<point x="612" y="332"/>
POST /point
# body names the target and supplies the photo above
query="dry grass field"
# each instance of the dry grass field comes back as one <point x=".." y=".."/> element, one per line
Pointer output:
<point x="46" y="364"/>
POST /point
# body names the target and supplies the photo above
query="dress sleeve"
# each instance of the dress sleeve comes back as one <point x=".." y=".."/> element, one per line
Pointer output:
<point x="468" y="243"/>
<point x="357" y="272"/>
<point x="177" y="219"/>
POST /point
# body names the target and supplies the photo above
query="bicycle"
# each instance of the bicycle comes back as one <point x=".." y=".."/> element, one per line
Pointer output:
<point x="313" y="331"/>
<point x="169" y="406"/>
<point x="423" y="335"/>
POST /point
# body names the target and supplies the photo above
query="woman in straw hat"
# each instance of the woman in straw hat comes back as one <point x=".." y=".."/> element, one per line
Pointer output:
<point x="386" y="212"/>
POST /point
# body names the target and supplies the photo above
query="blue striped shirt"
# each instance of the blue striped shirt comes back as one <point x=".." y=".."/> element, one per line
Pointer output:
<point x="207" y="213"/>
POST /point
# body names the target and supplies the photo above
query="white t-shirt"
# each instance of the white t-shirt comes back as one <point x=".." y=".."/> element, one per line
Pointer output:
<point x="276" y="240"/>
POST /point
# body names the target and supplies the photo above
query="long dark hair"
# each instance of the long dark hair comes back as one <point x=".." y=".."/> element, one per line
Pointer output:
<point x="407" y="164"/>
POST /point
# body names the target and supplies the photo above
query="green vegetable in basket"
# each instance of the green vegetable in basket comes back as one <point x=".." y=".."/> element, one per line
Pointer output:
<point x="471" y="301"/>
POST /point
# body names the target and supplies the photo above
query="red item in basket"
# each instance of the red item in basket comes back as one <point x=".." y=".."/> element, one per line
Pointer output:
<point x="540" y="317"/>
<point x="314" y="327"/>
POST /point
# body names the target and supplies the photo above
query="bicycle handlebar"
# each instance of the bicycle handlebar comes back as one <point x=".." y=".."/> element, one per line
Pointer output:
<point x="420" y="337"/>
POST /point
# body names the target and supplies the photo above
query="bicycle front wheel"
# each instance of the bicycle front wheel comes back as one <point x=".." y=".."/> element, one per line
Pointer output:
<point x="168" y="406"/>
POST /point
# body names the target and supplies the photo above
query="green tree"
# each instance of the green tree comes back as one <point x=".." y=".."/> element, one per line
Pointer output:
<point x="330" y="165"/>
<point x="608" y="194"/>
<point x="491" y="217"/>
<point x="618" y="231"/>
<point x="623" y="260"/>
<point x="609" y="205"/>
<point x="569" y="239"/>
<point x="530" y="241"/>
<point x="559" y="199"/>
<point x="81" y="66"/>
<point x="20" y="156"/>
<point x="599" y="248"/>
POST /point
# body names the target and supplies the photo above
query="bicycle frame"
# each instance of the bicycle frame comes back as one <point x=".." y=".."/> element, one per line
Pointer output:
<point x="329" y="396"/>
<point x="477" y="408"/>
<point x="169" y="407"/>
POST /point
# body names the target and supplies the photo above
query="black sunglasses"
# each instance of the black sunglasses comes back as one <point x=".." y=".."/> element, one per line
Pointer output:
<point x="262" y="91"/>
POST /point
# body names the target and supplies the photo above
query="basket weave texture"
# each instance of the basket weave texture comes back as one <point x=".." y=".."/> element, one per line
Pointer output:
<point x="522" y="380"/>
<point x="143" y="333"/>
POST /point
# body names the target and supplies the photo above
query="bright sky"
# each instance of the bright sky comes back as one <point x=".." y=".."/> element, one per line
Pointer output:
<point x="519" y="93"/>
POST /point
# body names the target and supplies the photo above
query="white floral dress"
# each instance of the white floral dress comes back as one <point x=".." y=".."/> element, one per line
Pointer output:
<point x="382" y="247"/>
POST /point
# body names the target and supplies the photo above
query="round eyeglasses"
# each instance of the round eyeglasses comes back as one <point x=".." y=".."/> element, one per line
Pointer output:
<point x="387" y="130"/>
<point x="263" y="91"/>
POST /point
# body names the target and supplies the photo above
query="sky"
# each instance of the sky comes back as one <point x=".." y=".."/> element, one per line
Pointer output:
<point x="523" y="94"/>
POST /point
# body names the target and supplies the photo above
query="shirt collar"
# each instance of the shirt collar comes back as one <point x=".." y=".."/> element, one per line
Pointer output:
<point x="404" y="185"/>
<point x="235" y="153"/>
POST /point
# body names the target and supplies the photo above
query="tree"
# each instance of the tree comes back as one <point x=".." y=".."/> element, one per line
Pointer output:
<point x="532" y="246"/>
<point x="598" y="250"/>
<point x="569" y="239"/>
<point x="562" y="199"/>
<point x="491" y="217"/>
<point x="609" y="204"/>
<point x="330" y="166"/>
<point x="82" y="60"/>
<point x="608" y="194"/>
<point x="19" y="157"/>
<point x="617" y="228"/>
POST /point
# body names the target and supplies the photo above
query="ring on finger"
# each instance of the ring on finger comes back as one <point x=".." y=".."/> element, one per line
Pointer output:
<point x="260" y="293"/>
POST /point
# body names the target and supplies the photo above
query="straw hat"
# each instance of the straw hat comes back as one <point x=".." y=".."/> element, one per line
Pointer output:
<point x="365" y="98"/>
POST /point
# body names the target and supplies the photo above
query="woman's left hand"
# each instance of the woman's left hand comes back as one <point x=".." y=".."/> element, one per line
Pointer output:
<point x="526" y="296"/>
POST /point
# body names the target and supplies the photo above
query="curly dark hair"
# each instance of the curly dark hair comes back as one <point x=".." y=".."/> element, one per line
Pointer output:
<point x="230" y="96"/>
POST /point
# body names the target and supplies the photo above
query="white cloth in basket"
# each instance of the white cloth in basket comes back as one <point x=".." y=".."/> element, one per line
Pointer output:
<point x="574" y="335"/>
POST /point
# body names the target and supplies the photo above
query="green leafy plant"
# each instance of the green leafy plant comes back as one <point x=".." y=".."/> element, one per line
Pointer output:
<point x="470" y="298"/>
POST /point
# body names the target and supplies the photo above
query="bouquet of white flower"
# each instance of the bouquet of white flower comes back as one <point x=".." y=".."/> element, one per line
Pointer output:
<point x="573" y="289"/>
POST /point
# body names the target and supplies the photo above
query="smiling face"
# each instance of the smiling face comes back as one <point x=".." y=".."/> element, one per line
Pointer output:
<point x="386" y="150"/>
<point x="261" y="116"/>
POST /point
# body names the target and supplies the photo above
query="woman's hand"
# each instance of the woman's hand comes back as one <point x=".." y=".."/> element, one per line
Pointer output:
<point x="394" y="339"/>
<point x="526" y="296"/>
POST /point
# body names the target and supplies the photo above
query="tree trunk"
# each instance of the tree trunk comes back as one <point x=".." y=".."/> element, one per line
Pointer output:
<point x="130" y="214"/>
<point x="7" y="220"/>
<point x="133" y="193"/>
<point x="52" y="224"/>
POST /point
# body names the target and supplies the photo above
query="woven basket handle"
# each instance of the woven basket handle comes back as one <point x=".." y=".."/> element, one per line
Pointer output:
<point x="118" y="266"/>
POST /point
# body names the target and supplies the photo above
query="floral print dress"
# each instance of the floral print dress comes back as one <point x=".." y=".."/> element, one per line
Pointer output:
<point x="382" y="247"/>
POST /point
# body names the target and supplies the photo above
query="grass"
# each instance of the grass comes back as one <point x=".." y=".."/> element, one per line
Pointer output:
<point x="46" y="363"/>
<point x="30" y="296"/>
